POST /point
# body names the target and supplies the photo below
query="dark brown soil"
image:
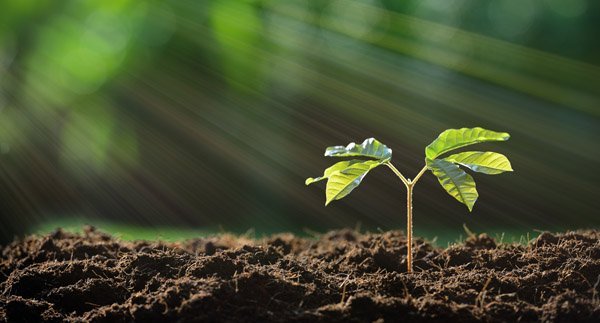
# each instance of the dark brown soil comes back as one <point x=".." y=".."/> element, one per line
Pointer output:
<point x="339" y="276"/>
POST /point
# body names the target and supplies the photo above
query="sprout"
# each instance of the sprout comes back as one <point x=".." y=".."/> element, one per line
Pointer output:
<point x="345" y="176"/>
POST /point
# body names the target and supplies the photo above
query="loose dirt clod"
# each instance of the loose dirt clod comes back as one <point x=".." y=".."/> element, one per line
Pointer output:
<point x="340" y="276"/>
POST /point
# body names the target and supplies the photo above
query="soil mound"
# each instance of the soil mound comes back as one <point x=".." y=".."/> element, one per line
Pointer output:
<point x="339" y="276"/>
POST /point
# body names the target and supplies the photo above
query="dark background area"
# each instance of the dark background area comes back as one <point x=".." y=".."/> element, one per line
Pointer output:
<point x="207" y="114"/>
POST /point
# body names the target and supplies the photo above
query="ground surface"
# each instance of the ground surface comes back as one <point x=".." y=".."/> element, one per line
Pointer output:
<point x="339" y="276"/>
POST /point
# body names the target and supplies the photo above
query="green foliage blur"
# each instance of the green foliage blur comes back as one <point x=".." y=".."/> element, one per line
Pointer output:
<point x="208" y="113"/>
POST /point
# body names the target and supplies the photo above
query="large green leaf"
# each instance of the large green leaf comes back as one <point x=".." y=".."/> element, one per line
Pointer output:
<point x="342" y="182"/>
<point x="455" y="181"/>
<point x="484" y="162"/>
<point x="371" y="148"/>
<point x="456" y="138"/>
<point x="334" y="168"/>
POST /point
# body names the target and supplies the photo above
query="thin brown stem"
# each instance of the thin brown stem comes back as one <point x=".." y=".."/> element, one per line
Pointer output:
<point x="409" y="229"/>
<point x="419" y="174"/>
<point x="397" y="172"/>
<point x="409" y="210"/>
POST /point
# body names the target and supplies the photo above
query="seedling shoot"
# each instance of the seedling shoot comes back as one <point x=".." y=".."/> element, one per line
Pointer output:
<point x="344" y="176"/>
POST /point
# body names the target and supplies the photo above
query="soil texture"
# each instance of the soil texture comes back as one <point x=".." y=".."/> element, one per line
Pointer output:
<point x="338" y="276"/>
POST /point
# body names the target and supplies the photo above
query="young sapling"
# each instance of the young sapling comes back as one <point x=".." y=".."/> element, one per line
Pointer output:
<point x="344" y="176"/>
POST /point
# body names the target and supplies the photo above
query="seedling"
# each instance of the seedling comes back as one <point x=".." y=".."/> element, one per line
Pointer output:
<point x="345" y="176"/>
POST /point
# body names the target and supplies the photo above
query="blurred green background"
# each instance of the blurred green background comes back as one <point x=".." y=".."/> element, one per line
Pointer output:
<point x="209" y="115"/>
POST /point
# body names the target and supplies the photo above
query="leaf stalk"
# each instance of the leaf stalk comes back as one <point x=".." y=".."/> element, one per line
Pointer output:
<point x="397" y="172"/>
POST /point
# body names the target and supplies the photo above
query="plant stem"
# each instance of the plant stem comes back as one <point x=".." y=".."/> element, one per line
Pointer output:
<point x="409" y="229"/>
<point x="419" y="174"/>
<point x="397" y="172"/>
<point x="409" y="208"/>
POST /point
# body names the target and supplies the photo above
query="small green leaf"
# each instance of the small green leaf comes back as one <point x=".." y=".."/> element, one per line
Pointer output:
<point x="335" y="167"/>
<point x="483" y="162"/>
<point x="311" y="180"/>
<point x="342" y="182"/>
<point x="455" y="181"/>
<point x="371" y="148"/>
<point x="456" y="138"/>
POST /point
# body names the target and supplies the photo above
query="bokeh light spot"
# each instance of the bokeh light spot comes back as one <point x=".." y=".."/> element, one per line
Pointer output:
<point x="87" y="137"/>
<point x="159" y="26"/>
<point x="106" y="33"/>
<point x="567" y="8"/>
<point x="512" y="18"/>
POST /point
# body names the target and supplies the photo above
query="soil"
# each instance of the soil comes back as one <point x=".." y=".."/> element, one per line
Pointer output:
<point x="339" y="276"/>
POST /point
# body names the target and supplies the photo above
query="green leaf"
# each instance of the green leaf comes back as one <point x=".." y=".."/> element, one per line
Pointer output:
<point x="336" y="167"/>
<point x="456" y="138"/>
<point x="371" y="148"/>
<point x="342" y="182"/>
<point x="484" y="162"/>
<point x="455" y="181"/>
